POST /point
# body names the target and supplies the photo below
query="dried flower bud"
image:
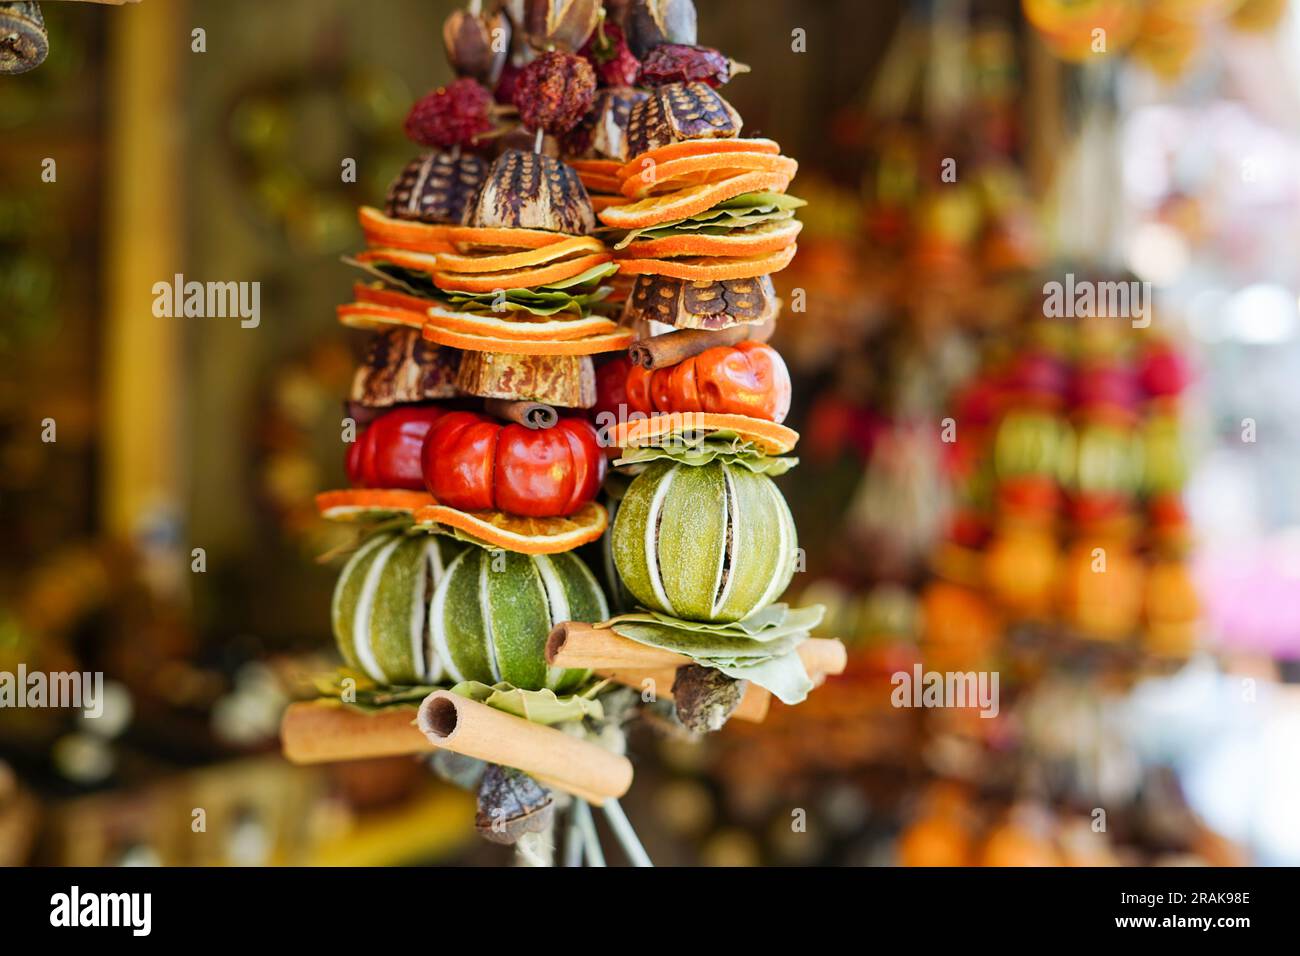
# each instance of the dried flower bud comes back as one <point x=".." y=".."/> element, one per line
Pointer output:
<point x="477" y="45"/>
<point x="649" y="23"/>
<point x="565" y="24"/>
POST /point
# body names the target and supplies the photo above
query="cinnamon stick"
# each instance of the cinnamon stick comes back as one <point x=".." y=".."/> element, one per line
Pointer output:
<point x="529" y="414"/>
<point x="670" y="348"/>
<point x="560" y="760"/>
<point x="323" y="731"/>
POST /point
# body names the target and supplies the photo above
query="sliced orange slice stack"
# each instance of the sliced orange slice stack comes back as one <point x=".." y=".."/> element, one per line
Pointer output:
<point x="669" y="184"/>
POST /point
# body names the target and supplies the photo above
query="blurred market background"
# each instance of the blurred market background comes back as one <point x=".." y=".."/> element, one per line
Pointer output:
<point x="1162" y="694"/>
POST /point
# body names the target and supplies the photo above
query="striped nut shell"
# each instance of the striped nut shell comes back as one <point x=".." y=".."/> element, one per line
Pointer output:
<point x="530" y="191"/>
<point x="425" y="609"/>
<point x="680" y="111"/>
<point x="712" y="542"/>
<point x="436" y="187"/>
<point x="701" y="303"/>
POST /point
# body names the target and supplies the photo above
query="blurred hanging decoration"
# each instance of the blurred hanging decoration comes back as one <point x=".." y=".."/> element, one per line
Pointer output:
<point x="24" y="37"/>
<point x="1069" y="516"/>
<point x="1163" y="36"/>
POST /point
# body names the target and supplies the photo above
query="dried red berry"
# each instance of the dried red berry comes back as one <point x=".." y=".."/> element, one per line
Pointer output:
<point x="680" y="63"/>
<point x="607" y="51"/>
<point x="453" y="115"/>
<point x="554" y="92"/>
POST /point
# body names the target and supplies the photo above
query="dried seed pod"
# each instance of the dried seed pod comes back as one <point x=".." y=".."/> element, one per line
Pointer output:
<point x="704" y="697"/>
<point x="24" y="41"/>
<point x="602" y="133"/>
<point x="401" y="366"/>
<point x="677" y="112"/>
<point x="649" y="23"/>
<point x="510" y="804"/>
<point x="477" y="44"/>
<point x="568" y="381"/>
<point x="436" y="187"/>
<point x="565" y="24"/>
<point x="526" y="190"/>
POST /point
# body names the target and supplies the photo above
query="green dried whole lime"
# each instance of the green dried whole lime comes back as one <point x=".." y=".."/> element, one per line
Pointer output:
<point x="712" y="542"/>
<point x="426" y="609"/>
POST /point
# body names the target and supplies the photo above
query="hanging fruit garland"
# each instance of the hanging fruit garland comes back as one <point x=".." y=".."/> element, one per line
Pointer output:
<point x="611" y="212"/>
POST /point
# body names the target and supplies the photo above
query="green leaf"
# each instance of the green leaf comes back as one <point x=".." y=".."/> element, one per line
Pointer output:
<point x="739" y="212"/>
<point x="761" y="648"/>
<point x="539" y="706"/>
<point x="779" y="200"/>
<point x="785" y="676"/>
<point x="701" y="448"/>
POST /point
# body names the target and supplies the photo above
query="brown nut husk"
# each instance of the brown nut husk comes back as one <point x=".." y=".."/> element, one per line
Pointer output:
<point x="510" y="804"/>
<point x="436" y="187"/>
<point x="402" y="366"/>
<point x="648" y="23"/>
<point x="565" y="24"/>
<point x="565" y="380"/>
<point x="704" y="697"/>
<point x="602" y="133"/>
<point x="477" y="44"/>
<point x="700" y="304"/>
<point x="24" y="41"/>
<point x="526" y="190"/>
<point x="677" y="112"/>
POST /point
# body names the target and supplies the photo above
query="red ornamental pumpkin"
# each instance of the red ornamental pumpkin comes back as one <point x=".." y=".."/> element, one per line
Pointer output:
<point x="749" y="378"/>
<point x="474" y="463"/>
<point x="387" y="453"/>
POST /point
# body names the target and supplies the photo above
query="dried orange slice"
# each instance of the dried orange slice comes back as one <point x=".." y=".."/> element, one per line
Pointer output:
<point x="454" y="262"/>
<point x="370" y="504"/>
<point x="548" y="330"/>
<point x="377" y="307"/>
<point x="519" y="533"/>
<point x="601" y="167"/>
<point x="597" y="183"/>
<point x="656" y="209"/>
<point x="697" y="147"/>
<point x="756" y="240"/>
<point x="599" y="202"/>
<point x="518" y="278"/>
<point x="403" y="258"/>
<point x="686" y="171"/>
<point x="381" y="230"/>
<point x="712" y="268"/>
<point x="772" y="438"/>
<point x="373" y="316"/>
<point x="466" y="238"/>
<point x="613" y="341"/>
